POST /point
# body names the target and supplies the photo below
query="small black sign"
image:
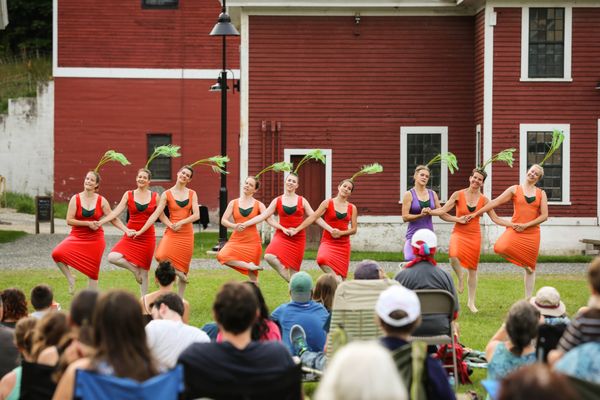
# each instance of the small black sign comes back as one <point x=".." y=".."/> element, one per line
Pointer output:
<point x="43" y="208"/>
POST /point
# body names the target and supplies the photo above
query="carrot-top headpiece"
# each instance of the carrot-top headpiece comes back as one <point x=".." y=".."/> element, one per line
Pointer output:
<point x="111" y="155"/>
<point x="168" y="150"/>
<point x="217" y="163"/>
<point x="557" y="138"/>
<point x="281" y="166"/>
<point x="316" y="154"/>
<point x="374" y="168"/>
<point x="446" y="158"/>
<point x="505" y="155"/>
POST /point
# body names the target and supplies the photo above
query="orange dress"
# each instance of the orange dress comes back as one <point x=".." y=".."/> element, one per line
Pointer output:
<point x="177" y="247"/>
<point x="245" y="245"/>
<point x="465" y="241"/>
<point x="522" y="248"/>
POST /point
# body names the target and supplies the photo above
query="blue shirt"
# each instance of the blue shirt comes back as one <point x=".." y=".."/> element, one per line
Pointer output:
<point x="310" y="315"/>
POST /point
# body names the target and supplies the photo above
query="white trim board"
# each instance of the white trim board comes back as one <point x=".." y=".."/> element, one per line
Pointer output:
<point x="288" y="153"/>
<point x="141" y="73"/>
<point x="566" y="151"/>
<point x="411" y="130"/>
<point x="567" y="45"/>
<point x="598" y="176"/>
<point x="488" y="92"/>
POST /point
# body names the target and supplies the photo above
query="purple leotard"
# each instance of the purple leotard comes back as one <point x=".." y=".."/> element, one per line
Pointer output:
<point x="421" y="223"/>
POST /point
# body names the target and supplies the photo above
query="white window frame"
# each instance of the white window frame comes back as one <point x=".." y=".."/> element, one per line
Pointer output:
<point x="567" y="43"/>
<point x="415" y="130"/>
<point x="566" y="152"/>
<point x="287" y="156"/>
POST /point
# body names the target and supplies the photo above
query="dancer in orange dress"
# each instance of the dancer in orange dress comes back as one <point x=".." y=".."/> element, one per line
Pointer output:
<point x="243" y="249"/>
<point x="520" y="243"/>
<point x="84" y="246"/>
<point x="342" y="216"/>
<point x="465" y="240"/>
<point x="177" y="244"/>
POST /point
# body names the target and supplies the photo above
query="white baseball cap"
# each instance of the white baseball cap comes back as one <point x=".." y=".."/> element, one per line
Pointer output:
<point x="426" y="236"/>
<point x="398" y="298"/>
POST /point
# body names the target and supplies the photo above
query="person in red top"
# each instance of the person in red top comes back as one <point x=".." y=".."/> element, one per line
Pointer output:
<point x="84" y="246"/>
<point x="129" y="253"/>
<point x="285" y="252"/>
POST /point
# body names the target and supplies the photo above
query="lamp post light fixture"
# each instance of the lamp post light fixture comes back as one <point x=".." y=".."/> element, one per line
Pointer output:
<point x="223" y="28"/>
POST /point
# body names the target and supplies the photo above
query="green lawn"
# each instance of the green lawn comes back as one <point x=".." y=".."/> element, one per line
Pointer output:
<point x="495" y="295"/>
<point x="10" y="236"/>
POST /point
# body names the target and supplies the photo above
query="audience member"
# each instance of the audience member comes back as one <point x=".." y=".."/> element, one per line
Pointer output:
<point x="423" y="273"/>
<point x="42" y="300"/>
<point x="10" y="385"/>
<point x="512" y="345"/>
<point x="119" y="340"/>
<point x="325" y="290"/>
<point x="164" y="276"/>
<point x="547" y="301"/>
<point x="399" y="314"/>
<point x="167" y="335"/>
<point x="536" y="382"/>
<point x="368" y="269"/>
<point x="237" y="363"/>
<point x="361" y="371"/>
<point x="585" y="326"/>
<point x="582" y="362"/>
<point x="49" y="333"/>
<point x="14" y="305"/>
<point x="9" y="356"/>
<point x="303" y="311"/>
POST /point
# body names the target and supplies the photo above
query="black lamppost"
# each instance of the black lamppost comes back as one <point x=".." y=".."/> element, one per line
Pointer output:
<point x="223" y="28"/>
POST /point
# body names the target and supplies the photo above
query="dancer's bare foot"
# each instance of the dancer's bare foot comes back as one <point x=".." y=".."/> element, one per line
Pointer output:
<point x="253" y="267"/>
<point x="138" y="275"/>
<point x="461" y="282"/>
<point x="183" y="277"/>
<point x="472" y="308"/>
<point x="71" y="280"/>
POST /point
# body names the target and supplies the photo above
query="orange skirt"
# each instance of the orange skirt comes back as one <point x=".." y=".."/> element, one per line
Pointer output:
<point x="177" y="247"/>
<point x="466" y="247"/>
<point x="520" y="248"/>
<point x="242" y="246"/>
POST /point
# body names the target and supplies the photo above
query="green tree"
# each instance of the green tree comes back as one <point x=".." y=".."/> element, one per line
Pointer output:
<point x="29" y="30"/>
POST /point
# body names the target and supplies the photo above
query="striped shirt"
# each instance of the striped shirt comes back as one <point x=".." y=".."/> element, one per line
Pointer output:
<point x="583" y="329"/>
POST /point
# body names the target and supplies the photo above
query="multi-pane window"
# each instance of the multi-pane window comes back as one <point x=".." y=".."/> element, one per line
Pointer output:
<point x="538" y="143"/>
<point x="169" y="4"/>
<point x="420" y="148"/>
<point x="160" y="166"/>
<point x="546" y="42"/>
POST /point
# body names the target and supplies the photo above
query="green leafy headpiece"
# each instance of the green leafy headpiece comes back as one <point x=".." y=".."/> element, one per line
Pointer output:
<point x="281" y="166"/>
<point x="505" y="155"/>
<point x="167" y="150"/>
<point x="447" y="158"/>
<point x="374" y="168"/>
<point x="217" y="163"/>
<point x="111" y="155"/>
<point x="557" y="138"/>
<point x="316" y="154"/>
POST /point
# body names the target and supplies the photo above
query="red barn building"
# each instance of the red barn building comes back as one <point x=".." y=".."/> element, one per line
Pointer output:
<point x="388" y="81"/>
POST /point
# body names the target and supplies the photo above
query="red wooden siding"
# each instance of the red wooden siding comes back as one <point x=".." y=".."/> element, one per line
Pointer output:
<point x="94" y="115"/>
<point x="332" y="88"/>
<point x="120" y="34"/>
<point x="576" y="103"/>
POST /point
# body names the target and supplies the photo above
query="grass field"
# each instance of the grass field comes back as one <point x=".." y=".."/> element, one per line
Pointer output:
<point x="19" y="78"/>
<point x="495" y="295"/>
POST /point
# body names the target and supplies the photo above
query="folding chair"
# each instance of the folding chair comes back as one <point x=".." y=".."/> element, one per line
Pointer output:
<point x="36" y="381"/>
<point x="437" y="301"/>
<point x="92" y="386"/>
<point x="353" y="312"/>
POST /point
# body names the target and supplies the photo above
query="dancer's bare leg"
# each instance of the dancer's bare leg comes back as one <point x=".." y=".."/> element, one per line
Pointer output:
<point x="120" y="261"/>
<point x="291" y="272"/>
<point x="459" y="273"/>
<point x="67" y="273"/>
<point x="529" y="282"/>
<point x="327" y="269"/>
<point x="244" y="265"/>
<point x="181" y="284"/>
<point x="253" y="276"/>
<point x="277" y="266"/>
<point x="93" y="284"/>
<point x="471" y="289"/>
<point x="144" y="284"/>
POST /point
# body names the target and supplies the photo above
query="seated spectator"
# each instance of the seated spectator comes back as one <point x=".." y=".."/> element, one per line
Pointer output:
<point x="324" y="293"/>
<point x="10" y="385"/>
<point x="536" y="382"/>
<point x="42" y="300"/>
<point x="164" y="276"/>
<point x="237" y="363"/>
<point x="423" y="273"/>
<point x="512" y="346"/>
<point x="119" y="340"/>
<point x="49" y="333"/>
<point x="14" y="305"/>
<point x="264" y="328"/>
<point x="399" y="314"/>
<point x="369" y="269"/>
<point x="582" y="362"/>
<point x="547" y="301"/>
<point x="167" y="335"/>
<point x="361" y="371"/>
<point x="302" y="311"/>
<point x="9" y="356"/>
<point x="585" y="326"/>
